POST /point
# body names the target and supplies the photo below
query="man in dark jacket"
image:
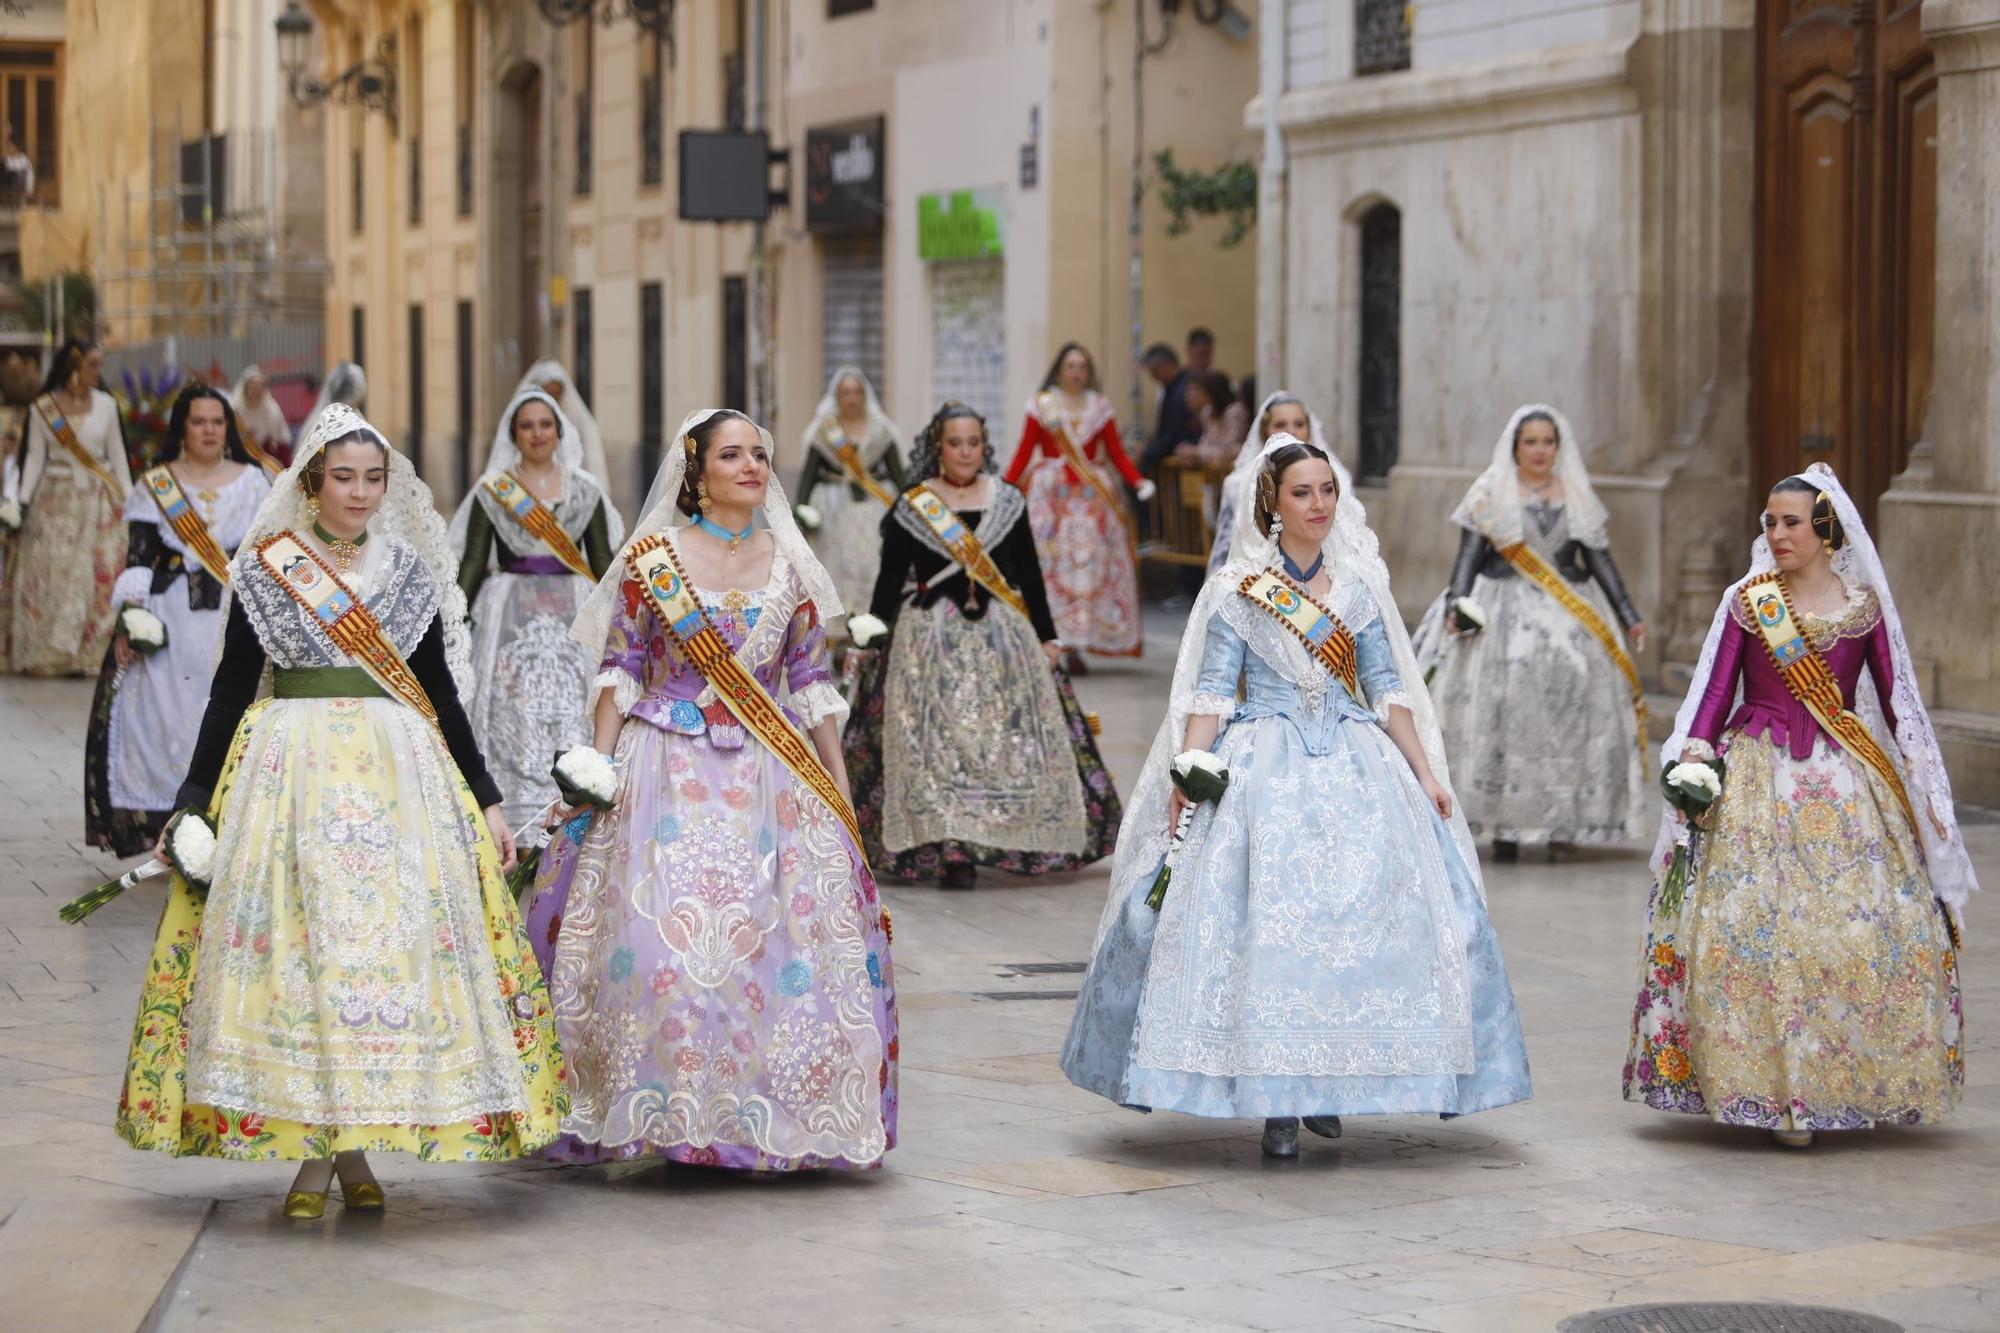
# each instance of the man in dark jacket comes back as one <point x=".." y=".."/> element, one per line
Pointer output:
<point x="1173" y="424"/>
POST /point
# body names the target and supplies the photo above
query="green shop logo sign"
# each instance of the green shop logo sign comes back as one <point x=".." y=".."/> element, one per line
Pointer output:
<point x="961" y="224"/>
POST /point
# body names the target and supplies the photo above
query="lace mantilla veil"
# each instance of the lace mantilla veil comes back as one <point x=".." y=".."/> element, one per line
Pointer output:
<point x="829" y="406"/>
<point x="408" y="514"/>
<point x="593" y="623"/>
<point x="1241" y="480"/>
<point x="1358" y="577"/>
<point x="578" y="412"/>
<point x="1493" y="503"/>
<point x="1921" y="762"/>
<point x="505" y="455"/>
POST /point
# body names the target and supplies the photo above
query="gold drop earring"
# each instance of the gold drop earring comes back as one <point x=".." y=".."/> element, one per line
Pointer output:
<point x="312" y="507"/>
<point x="701" y="495"/>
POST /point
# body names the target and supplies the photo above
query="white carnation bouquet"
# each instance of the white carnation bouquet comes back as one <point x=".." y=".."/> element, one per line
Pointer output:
<point x="864" y="629"/>
<point x="1468" y="615"/>
<point x="10" y="515"/>
<point x="808" y="517"/>
<point x="585" y="777"/>
<point x="1692" y="788"/>
<point x="190" y="852"/>
<point x="1199" y="776"/>
<point x="142" y="629"/>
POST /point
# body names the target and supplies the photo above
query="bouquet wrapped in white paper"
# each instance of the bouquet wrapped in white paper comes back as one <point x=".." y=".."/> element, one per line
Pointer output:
<point x="1199" y="776"/>
<point x="864" y="629"/>
<point x="10" y="515"/>
<point x="1469" y="615"/>
<point x="586" y="776"/>
<point x="808" y="517"/>
<point x="190" y="851"/>
<point x="145" y="631"/>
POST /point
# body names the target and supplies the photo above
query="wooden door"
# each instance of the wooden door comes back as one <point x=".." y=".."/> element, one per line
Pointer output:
<point x="1846" y="221"/>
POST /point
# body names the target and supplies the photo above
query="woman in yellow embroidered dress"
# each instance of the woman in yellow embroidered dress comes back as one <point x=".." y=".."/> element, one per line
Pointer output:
<point x="71" y="548"/>
<point x="1807" y="979"/>
<point x="356" y="976"/>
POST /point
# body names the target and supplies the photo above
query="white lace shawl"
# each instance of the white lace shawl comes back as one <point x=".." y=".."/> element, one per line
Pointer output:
<point x="1359" y="578"/>
<point x="879" y="439"/>
<point x="504" y="455"/>
<point x="592" y="626"/>
<point x="1493" y="504"/>
<point x="408" y="515"/>
<point x="1920" y="760"/>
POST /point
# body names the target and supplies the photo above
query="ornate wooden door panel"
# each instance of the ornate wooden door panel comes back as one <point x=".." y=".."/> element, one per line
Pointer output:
<point x="1846" y="189"/>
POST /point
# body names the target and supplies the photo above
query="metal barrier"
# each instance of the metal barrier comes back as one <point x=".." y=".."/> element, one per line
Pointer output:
<point x="1181" y="514"/>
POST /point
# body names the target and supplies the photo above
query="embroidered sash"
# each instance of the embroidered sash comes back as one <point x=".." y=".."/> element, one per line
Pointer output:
<point x="186" y="523"/>
<point x="1529" y="562"/>
<point x="1052" y="422"/>
<point x="58" y="424"/>
<point x="538" y="519"/>
<point x="964" y="546"/>
<point x="272" y="467"/>
<point x="1313" y="625"/>
<point x="849" y="455"/>
<point x="1812" y="682"/>
<point x="352" y="626"/>
<point x="663" y="583"/>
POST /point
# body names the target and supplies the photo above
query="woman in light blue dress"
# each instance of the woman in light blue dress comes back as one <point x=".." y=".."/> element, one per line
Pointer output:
<point x="1323" y="947"/>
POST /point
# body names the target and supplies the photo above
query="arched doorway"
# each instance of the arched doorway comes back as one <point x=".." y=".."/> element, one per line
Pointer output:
<point x="517" y="210"/>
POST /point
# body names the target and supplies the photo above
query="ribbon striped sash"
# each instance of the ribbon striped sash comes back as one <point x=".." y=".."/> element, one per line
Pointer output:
<point x="653" y="565"/>
<point x="1058" y="429"/>
<point x="352" y="626"/>
<point x="1529" y="561"/>
<point x="58" y="424"/>
<point x="272" y="467"/>
<point x="1313" y="625"/>
<point x="849" y="455"/>
<point x="186" y="523"/>
<point x="1812" y="682"/>
<point x="539" y="520"/>
<point x="964" y="546"/>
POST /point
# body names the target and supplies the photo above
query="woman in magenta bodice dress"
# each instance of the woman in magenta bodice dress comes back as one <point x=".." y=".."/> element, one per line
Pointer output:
<point x="1805" y="978"/>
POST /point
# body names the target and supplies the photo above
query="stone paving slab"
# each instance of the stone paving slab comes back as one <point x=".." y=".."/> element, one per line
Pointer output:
<point x="1014" y="1201"/>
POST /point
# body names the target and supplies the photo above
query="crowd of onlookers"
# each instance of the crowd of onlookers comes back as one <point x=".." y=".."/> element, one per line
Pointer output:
<point x="1201" y="415"/>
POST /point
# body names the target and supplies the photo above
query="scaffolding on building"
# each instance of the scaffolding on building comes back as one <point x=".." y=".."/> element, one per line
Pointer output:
<point x="202" y="249"/>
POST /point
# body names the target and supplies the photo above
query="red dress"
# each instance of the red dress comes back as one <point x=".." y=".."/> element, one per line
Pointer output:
<point x="1088" y="560"/>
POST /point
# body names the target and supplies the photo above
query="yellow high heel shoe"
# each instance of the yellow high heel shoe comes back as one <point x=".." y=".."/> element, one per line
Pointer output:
<point x="305" y="1205"/>
<point x="363" y="1196"/>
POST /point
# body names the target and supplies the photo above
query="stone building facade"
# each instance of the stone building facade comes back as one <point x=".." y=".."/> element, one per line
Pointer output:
<point x="959" y="184"/>
<point x="1727" y="237"/>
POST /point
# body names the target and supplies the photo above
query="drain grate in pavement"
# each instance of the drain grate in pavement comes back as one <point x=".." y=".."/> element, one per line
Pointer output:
<point x="1727" y="1317"/>
<point x="1024" y="995"/>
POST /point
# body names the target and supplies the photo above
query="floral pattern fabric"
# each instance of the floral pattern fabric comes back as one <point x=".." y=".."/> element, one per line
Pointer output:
<point x="717" y="952"/>
<point x="1808" y="980"/>
<point x="69" y="552"/>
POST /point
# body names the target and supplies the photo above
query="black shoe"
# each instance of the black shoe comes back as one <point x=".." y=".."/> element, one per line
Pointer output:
<point x="1508" y="852"/>
<point x="957" y="877"/>
<point x="1326" y="1126"/>
<point x="1281" y="1137"/>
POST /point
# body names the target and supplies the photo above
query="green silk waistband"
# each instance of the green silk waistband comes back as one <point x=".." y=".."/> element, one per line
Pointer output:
<point x="325" y="683"/>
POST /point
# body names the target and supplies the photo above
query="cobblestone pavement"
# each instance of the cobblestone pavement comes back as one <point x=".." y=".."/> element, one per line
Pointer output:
<point x="1014" y="1200"/>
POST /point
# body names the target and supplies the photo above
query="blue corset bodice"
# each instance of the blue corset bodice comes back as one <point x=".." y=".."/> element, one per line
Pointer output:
<point x="1227" y="659"/>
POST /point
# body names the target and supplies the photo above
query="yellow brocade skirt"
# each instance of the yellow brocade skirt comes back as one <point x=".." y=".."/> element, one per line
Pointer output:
<point x="1809" y="980"/>
<point x="357" y="975"/>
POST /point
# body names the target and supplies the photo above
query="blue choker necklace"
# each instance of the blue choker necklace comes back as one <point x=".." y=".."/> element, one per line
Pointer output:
<point x="720" y="533"/>
<point x="1302" y="575"/>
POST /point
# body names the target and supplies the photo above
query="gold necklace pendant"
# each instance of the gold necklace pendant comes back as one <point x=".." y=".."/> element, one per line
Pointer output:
<point x="343" y="555"/>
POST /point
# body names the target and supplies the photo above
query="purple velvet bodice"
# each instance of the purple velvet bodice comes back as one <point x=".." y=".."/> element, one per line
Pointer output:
<point x="1768" y="708"/>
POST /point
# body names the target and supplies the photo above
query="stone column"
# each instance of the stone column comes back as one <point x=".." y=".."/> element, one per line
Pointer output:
<point x="1939" y="523"/>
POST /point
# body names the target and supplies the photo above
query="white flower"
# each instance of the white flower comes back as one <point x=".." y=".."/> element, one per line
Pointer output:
<point x="1695" y="777"/>
<point x="10" y="515"/>
<point x="1471" y="615"/>
<point x="807" y="516"/>
<point x="1200" y="776"/>
<point x="143" y="630"/>
<point x="586" y="776"/>
<point x="191" y="847"/>
<point x="864" y="629"/>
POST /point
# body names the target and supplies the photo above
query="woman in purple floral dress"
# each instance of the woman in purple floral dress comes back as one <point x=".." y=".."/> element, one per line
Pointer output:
<point x="717" y="954"/>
